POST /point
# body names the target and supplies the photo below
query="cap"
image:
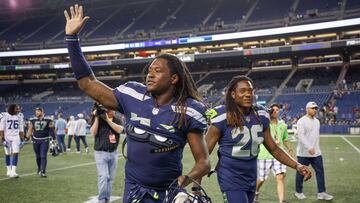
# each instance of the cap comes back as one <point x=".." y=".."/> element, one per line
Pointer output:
<point x="311" y="104"/>
<point x="80" y="115"/>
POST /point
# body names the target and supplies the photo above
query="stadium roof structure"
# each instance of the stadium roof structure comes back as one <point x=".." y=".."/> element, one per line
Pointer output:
<point x="193" y="40"/>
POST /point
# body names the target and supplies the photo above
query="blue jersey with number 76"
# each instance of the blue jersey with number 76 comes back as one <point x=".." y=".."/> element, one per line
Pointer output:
<point x="238" y="149"/>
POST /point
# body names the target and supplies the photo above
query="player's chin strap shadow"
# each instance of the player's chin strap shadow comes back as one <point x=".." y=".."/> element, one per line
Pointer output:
<point x="178" y="194"/>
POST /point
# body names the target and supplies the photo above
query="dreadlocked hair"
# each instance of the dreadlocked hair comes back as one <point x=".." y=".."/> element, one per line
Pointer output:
<point x="184" y="88"/>
<point x="12" y="109"/>
<point x="233" y="114"/>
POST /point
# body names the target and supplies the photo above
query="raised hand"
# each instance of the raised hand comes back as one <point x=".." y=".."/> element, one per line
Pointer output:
<point x="75" y="21"/>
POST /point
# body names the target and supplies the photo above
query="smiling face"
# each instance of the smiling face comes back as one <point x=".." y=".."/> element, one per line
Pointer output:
<point x="243" y="94"/>
<point x="159" y="78"/>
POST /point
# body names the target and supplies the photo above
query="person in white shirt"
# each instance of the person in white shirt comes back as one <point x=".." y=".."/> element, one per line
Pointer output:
<point x="80" y="133"/>
<point x="70" y="131"/>
<point x="12" y="136"/>
<point x="308" y="151"/>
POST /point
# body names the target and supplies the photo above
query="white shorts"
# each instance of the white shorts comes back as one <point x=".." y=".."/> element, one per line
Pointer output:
<point x="13" y="143"/>
<point x="265" y="165"/>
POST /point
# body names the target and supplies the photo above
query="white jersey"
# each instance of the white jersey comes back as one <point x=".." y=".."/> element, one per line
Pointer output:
<point x="71" y="127"/>
<point x="2" y="114"/>
<point x="80" y="129"/>
<point x="12" y="125"/>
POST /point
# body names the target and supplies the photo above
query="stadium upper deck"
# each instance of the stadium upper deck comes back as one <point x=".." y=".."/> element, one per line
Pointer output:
<point x="41" y="25"/>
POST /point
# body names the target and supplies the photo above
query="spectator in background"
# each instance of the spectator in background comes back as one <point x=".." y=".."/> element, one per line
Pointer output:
<point x="308" y="151"/>
<point x="322" y="117"/>
<point x="106" y="129"/>
<point x="266" y="162"/>
<point x="70" y="131"/>
<point x="80" y="133"/>
<point x="336" y="110"/>
<point x="60" y="126"/>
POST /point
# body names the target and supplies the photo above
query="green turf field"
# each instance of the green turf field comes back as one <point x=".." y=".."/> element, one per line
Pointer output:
<point x="73" y="178"/>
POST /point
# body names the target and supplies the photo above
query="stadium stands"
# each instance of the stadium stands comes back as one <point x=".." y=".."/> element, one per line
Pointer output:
<point x="147" y="19"/>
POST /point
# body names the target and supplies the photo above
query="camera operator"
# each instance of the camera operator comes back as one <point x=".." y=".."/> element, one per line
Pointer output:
<point x="106" y="129"/>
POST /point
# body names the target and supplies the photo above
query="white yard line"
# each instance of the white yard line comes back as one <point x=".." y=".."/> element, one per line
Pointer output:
<point x="329" y="135"/>
<point x="351" y="144"/>
<point x="57" y="169"/>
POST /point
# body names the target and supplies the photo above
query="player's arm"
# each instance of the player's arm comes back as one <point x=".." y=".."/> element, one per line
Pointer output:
<point x="283" y="157"/>
<point x="212" y="137"/>
<point x="201" y="155"/>
<point x="30" y="130"/>
<point x="2" y="135"/>
<point x="82" y="71"/>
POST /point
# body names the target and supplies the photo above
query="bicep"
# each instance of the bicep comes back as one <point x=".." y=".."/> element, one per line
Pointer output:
<point x="212" y="137"/>
<point x="99" y="92"/>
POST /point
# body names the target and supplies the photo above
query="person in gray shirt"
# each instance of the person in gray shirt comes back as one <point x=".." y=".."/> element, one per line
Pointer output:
<point x="308" y="151"/>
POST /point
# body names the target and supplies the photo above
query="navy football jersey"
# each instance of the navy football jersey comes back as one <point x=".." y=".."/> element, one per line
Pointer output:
<point x="155" y="143"/>
<point x="238" y="149"/>
<point x="42" y="128"/>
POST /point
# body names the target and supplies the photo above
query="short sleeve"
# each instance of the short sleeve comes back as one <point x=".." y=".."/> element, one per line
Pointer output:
<point x="127" y="92"/>
<point x="197" y="118"/>
<point x="264" y="118"/>
<point x="218" y="117"/>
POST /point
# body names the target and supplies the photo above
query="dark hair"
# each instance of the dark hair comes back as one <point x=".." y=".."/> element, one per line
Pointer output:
<point x="39" y="108"/>
<point x="233" y="114"/>
<point x="275" y="104"/>
<point x="184" y="88"/>
<point x="12" y="109"/>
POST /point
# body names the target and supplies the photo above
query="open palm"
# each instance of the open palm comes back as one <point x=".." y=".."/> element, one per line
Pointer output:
<point x="75" y="21"/>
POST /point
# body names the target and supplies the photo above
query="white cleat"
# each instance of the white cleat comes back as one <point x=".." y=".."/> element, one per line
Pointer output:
<point x="8" y="173"/>
<point x="14" y="175"/>
<point x="300" y="195"/>
<point x="324" y="196"/>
